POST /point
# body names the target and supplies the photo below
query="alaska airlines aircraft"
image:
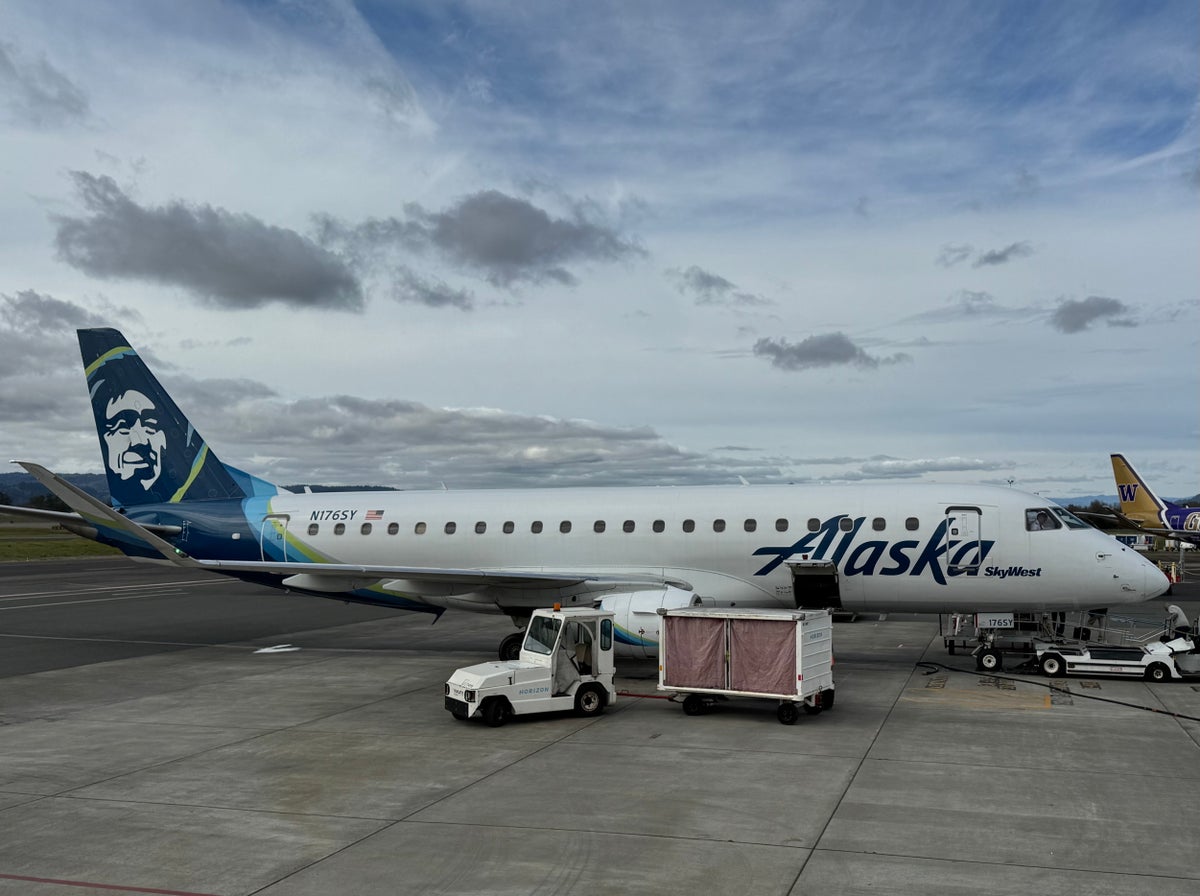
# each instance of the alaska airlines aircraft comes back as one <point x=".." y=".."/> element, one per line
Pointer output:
<point x="1146" y="512"/>
<point x="882" y="547"/>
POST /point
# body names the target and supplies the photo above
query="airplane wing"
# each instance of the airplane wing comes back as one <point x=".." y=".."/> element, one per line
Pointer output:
<point x="337" y="576"/>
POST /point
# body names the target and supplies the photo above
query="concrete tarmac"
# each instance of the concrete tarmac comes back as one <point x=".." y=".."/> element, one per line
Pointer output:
<point x="145" y="747"/>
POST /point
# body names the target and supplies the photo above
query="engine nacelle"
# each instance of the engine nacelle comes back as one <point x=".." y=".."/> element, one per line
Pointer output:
<point x="637" y="620"/>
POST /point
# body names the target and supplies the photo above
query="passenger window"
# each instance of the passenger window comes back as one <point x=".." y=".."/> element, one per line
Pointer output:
<point x="366" y="529"/>
<point x="1040" y="518"/>
<point x="509" y="527"/>
<point x="480" y="528"/>
<point x="912" y="524"/>
<point x="598" y="526"/>
<point x="878" y="524"/>
<point x="564" y="527"/>
<point x="845" y="524"/>
<point x="814" y="525"/>
<point x="339" y="529"/>
<point x="313" y="528"/>
<point x="689" y="525"/>
<point x="451" y="528"/>
<point x="536" y="527"/>
<point x="750" y="525"/>
<point x="419" y="528"/>
<point x="718" y="525"/>
<point x="628" y="525"/>
<point x="393" y="528"/>
<point x="659" y="526"/>
<point x="781" y="525"/>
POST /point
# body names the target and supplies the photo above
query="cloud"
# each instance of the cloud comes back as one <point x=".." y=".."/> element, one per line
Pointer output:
<point x="1002" y="256"/>
<point x="952" y="255"/>
<point x="504" y="239"/>
<point x="826" y="350"/>
<point x="409" y="286"/>
<point x="708" y="288"/>
<point x="38" y="93"/>
<point x="1076" y="315"/>
<point x="229" y="260"/>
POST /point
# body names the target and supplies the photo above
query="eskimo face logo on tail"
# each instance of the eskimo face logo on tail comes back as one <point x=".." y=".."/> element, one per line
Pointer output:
<point x="1128" y="493"/>
<point x="134" y="441"/>
<point x="883" y="558"/>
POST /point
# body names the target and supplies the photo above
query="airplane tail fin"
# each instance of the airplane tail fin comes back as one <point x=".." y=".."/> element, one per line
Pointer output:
<point x="152" y="453"/>
<point x="1138" y="502"/>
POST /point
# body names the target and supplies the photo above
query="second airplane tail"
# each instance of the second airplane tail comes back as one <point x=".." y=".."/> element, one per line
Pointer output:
<point x="1138" y="502"/>
<point x="152" y="453"/>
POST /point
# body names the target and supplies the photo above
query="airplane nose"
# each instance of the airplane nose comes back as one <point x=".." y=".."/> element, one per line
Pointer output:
<point x="1157" y="583"/>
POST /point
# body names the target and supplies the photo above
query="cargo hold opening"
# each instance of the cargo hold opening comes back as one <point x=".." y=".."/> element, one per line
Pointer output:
<point x="815" y="585"/>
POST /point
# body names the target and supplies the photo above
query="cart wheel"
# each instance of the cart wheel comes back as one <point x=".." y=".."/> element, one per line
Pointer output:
<point x="693" y="704"/>
<point x="510" y="647"/>
<point x="1157" y="672"/>
<point x="990" y="660"/>
<point x="589" y="701"/>
<point x="787" y="713"/>
<point x="813" y="709"/>
<point x="1053" y="666"/>
<point x="495" y="711"/>
<point x="827" y="699"/>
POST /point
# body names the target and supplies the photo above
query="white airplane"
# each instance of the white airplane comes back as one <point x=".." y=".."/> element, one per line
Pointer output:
<point x="870" y="547"/>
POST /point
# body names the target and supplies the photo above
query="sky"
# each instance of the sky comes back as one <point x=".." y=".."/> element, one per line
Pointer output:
<point x="493" y="244"/>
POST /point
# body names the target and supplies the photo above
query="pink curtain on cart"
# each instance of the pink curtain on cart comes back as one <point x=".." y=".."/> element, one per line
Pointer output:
<point x="762" y="656"/>
<point x="696" y="654"/>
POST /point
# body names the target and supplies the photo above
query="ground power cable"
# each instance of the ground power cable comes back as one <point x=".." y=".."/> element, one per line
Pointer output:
<point x="934" y="667"/>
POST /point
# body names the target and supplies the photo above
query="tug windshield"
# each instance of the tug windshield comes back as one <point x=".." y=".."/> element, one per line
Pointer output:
<point x="542" y="634"/>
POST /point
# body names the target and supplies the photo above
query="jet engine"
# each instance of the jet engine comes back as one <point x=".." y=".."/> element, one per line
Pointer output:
<point x="637" y="619"/>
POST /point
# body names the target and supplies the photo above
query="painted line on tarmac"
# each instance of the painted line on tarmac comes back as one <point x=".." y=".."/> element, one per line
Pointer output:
<point x="95" y="886"/>
<point x="98" y="589"/>
<point x="97" y="600"/>
<point x="128" y="641"/>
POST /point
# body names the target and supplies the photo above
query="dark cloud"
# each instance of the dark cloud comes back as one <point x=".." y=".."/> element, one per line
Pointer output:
<point x="707" y="288"/>
<point x="1076" y="315"/>
<point x="952" y="255"/>
<point x="826" y="350"/>
<point x="38" y="93"/>
<point x="504" y="239"/>
<point x="230" y="260"/>
<point x="409" y="286"/>
<point x="1002" y="256"/>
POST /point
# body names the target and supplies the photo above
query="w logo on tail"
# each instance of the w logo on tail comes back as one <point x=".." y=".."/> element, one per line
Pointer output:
<point x="1128" y="493"/>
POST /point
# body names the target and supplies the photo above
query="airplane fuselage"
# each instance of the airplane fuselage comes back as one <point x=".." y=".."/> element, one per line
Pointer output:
<point x="913" y="547"/>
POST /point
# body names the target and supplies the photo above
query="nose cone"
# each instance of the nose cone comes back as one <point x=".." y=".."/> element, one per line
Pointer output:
<point x="1157" y="582"/>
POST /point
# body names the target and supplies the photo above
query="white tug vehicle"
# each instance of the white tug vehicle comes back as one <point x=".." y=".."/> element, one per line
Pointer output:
<point x="1174" y="655"/>
<point x="566" y="663"/>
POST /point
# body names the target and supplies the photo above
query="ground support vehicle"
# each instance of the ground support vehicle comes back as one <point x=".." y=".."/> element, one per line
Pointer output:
<point x="566" y="663"/>
<point x="712" y="654"/>
<point x="1156" y="661"/>
<point x="996" y="638"/>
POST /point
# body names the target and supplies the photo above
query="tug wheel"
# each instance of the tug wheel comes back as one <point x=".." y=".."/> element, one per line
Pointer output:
<point x="1053" y="666"/>
<point x="1157" y="672"/>
<point x="589" y="701"/>
<point x="495" y="711"/>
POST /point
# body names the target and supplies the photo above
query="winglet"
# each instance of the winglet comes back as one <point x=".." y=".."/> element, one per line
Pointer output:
<point x="98" y="513"/>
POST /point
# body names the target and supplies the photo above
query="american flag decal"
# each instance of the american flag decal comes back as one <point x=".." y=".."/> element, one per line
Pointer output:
<point x="374" y="514"/>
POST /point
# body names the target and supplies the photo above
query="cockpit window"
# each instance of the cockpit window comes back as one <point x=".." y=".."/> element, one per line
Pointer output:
<point x="543" y="632"/>
<point x="1040" y="518"/>
<point x="1072" y="521"/>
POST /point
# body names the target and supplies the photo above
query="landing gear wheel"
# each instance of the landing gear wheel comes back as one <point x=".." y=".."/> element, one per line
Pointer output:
<point x="990" y="660"/>
<point x="1157" y="672"/>
<point x="788" y="714"/>
<point x="495" y="711"/>
<point x="693" y="705"/>
<point x="510" y="647"/>
<point x="589" y="701"/>
<point x="1053" y="666"/>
